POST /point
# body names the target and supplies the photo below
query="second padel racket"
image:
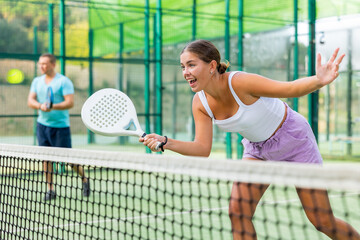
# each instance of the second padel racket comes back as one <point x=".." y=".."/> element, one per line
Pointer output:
<point x="49" y="98"/>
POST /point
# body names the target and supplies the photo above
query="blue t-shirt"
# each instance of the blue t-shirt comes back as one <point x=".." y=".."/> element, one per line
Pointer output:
<point x="61" y="86"/>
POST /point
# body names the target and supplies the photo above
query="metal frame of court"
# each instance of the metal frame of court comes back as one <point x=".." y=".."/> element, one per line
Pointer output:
<point x="158" y="60"/>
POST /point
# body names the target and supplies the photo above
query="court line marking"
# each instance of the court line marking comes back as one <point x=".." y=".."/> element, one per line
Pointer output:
<point x="151" y="216"/>
<point x="126" y="218"/>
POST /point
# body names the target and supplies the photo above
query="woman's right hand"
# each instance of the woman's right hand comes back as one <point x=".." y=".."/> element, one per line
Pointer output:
<point x="152" y="141"/>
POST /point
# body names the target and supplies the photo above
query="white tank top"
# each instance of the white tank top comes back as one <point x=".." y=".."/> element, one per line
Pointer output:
<point x="256" y="122"/>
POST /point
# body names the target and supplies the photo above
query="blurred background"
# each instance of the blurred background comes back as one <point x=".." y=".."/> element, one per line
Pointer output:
<point x="134" y="46"/>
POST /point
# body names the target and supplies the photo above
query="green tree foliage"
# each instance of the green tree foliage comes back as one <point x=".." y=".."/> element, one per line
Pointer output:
<point x="14" y="37"/>
<point x="18" y="19"/>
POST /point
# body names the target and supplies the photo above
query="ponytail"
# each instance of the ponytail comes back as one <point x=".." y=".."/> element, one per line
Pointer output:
<point x="222" y="67"/>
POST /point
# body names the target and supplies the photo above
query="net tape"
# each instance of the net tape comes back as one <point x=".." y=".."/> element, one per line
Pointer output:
<point x="345" y="176"/>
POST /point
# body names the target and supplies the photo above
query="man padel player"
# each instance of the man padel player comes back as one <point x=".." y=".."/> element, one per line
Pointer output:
<point x="53" y="123"/>
<point x="248" y="104"/>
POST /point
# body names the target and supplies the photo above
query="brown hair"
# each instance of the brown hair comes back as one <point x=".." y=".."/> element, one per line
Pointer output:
<point x="50" y="56"/>
<point x="207" y="52"/>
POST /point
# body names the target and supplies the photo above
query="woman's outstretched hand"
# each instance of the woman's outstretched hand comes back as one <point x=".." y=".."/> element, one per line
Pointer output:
<point x="329" y="71"/>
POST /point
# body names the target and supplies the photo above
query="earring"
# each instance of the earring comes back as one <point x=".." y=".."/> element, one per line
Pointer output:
<point x="210" y="72"/>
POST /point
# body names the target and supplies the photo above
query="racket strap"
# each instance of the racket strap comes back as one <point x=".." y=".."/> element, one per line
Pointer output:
<point x="161" y="146"/>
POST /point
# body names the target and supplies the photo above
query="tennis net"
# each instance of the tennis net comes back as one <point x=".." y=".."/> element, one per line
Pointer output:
<point x="151" y="196"/>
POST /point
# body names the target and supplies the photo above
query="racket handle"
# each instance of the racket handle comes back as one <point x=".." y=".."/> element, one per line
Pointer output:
<point x="157" y="145"/>
<point x="49" y="105"/>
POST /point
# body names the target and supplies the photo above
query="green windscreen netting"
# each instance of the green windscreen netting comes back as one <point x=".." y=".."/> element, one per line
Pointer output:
<point x="118" y="20"/>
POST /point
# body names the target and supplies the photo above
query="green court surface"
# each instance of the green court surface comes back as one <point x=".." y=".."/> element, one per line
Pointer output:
<point x="137" y="205"/>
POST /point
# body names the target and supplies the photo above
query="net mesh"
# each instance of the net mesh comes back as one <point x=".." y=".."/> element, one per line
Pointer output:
<point x="138" y="196"/>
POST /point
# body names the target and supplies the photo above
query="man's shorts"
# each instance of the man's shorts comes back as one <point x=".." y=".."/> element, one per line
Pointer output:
<point x="53" y="137"/>
<point x="294" y="141"/>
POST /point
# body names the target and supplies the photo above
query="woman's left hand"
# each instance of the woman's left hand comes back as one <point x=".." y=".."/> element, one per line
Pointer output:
<point x="328" y="72"/>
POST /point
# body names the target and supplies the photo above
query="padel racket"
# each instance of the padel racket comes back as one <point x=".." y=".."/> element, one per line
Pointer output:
<point x="49" y="98"/>
<point x="111" y="112"/>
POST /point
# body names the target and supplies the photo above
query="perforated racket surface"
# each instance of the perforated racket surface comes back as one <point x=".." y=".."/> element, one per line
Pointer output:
<point x="111" y="112"/>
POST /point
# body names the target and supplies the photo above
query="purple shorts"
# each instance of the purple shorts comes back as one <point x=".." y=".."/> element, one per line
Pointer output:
<point x="294" y="141"/>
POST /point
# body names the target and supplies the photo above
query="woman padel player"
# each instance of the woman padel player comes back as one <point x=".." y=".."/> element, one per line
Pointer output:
<point x="248" y="104"/>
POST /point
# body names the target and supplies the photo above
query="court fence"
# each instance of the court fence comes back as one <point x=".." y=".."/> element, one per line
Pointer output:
<point x="135" y="48"/>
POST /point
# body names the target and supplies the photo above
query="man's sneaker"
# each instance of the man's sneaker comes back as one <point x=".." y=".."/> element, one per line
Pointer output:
<point x="86" y="189"/>
<point x="50" y="195"/>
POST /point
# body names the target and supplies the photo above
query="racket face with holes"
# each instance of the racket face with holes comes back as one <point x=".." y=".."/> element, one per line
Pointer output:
<point x="110" y="112"/>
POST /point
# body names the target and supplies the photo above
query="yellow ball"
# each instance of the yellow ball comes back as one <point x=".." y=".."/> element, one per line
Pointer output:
<point x="15" y="76"/>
